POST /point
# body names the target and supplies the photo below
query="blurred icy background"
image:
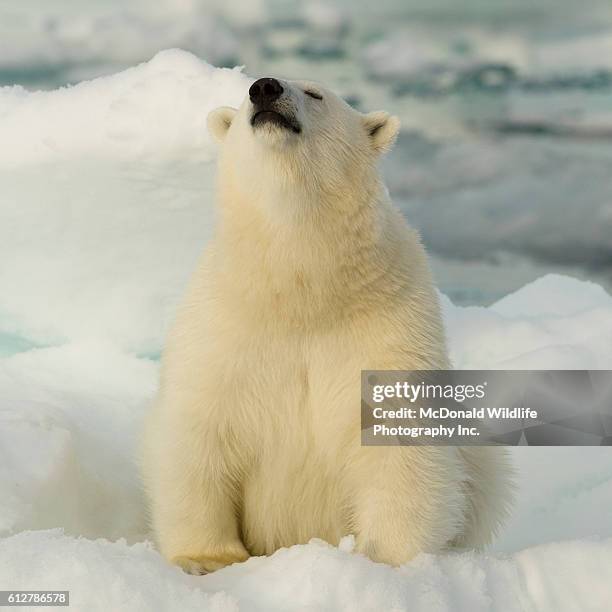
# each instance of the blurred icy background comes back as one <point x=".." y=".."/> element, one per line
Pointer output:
<point x="504" y="161"/>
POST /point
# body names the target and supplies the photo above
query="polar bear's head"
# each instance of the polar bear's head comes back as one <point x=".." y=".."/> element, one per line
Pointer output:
<point x="289" y="132"/>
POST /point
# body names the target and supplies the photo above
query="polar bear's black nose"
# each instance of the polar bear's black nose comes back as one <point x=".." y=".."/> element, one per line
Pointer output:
<point x="265" y="90"/>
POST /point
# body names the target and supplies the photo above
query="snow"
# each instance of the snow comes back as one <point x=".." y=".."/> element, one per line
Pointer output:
<point x="105" y="194"/>
<point x="115" y="576"/>
<point x="68" y="452"/>
<point x="553" y="295"/>
<point x="555" y="322"/>
<point x="130" y="209"/>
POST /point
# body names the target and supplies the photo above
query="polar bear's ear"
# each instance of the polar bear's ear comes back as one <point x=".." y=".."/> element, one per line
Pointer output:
<point x="382" y="130"/>
<point x="219" y="121"/>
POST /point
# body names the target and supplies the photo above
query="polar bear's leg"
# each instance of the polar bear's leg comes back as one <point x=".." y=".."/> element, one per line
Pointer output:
<point x="406" y="501"/>
<point x="192" y="497"/>
<point x="489" y="491"/>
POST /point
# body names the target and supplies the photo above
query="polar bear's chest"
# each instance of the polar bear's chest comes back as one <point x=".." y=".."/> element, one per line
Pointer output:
<point x="290" y="391"/>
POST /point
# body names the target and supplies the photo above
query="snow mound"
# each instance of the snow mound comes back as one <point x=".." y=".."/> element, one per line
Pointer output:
<point x="553" y="295"/>
<point x="556" y="322"/>
<point x="153" y="112"/>
<point x="114" y="576"/>
<point x="105" y="194"/>
<point x="105" y="199"/>
<point x="102" y="575"/>
<point x="70" y="420"/>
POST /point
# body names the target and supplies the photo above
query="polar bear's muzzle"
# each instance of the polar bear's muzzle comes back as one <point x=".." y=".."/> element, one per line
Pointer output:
<point x="263" y="117"/>
<point x="270" y="106"/>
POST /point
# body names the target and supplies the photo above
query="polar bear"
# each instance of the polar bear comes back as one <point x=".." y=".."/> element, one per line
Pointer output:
<point x="254" y="441"/>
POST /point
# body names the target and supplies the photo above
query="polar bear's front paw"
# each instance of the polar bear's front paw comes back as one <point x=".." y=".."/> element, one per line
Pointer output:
<point x="190" y="566"/>
<point x="205" y="564"/>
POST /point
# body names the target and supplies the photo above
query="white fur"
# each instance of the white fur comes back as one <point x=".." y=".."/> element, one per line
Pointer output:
<point x="254" y="441"/>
